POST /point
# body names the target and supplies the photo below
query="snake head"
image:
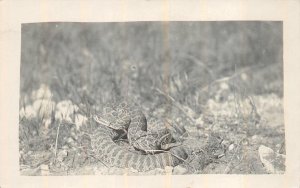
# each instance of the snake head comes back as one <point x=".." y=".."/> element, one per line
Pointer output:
<point x="115" y="117"/>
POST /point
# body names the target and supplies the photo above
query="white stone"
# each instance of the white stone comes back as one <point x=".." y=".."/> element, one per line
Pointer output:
<point x="27" y="112"/>
<point x="42" y="93"/>
<point x="231" y="147"/>
<point x="272" y="161"/>
<point x="80" y="120"/>
<point x="179" y="170"/>
<point x="64" y="110"/>
<point x="44" y="107"/>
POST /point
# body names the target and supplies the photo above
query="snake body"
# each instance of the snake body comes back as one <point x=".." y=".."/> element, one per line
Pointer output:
<point x="122" y="116"/>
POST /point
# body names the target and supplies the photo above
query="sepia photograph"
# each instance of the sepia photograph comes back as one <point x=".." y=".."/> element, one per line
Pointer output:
<point x="151" y="98"/>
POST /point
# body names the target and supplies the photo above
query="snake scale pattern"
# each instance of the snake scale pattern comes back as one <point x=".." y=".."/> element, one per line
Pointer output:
<point x="127" y="117"/>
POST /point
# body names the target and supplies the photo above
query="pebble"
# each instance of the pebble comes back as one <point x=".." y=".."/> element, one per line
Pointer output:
<point x="62" y="155"/>
<point x="272" y="161"/>
<point x="179" y="170"/>
<point x="254" y="137"/>
<point x="231" y="147"/>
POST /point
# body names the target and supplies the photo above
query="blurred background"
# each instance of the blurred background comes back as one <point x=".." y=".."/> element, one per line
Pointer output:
<point x="184" y="59"/>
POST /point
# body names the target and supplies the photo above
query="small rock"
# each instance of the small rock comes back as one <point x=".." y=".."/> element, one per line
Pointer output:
<point x="62" y="155"/>
<point x="178" y="119"/>
<point x="272" y="161"/>
<point x="254" y="137"/>
<point x="231" y="147"/>
<point x="70" y="140"/>
<point x="133" y="170"/>
<point x="179" y="170"/>
<point x="224" y="86"/>
<point x="244" y="76"/>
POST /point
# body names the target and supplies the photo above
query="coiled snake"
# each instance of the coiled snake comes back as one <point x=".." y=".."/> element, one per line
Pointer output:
<point x="129" y="118"/>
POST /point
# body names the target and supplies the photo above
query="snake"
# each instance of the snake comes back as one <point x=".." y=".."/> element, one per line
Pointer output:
<point x="126" y="117"/>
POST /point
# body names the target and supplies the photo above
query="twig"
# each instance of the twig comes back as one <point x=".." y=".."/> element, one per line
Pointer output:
<point x="174" y="155"/>
<point x="101" y="161"/>
<point x="154" y="150"/>
<point x="56" y="140"/>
